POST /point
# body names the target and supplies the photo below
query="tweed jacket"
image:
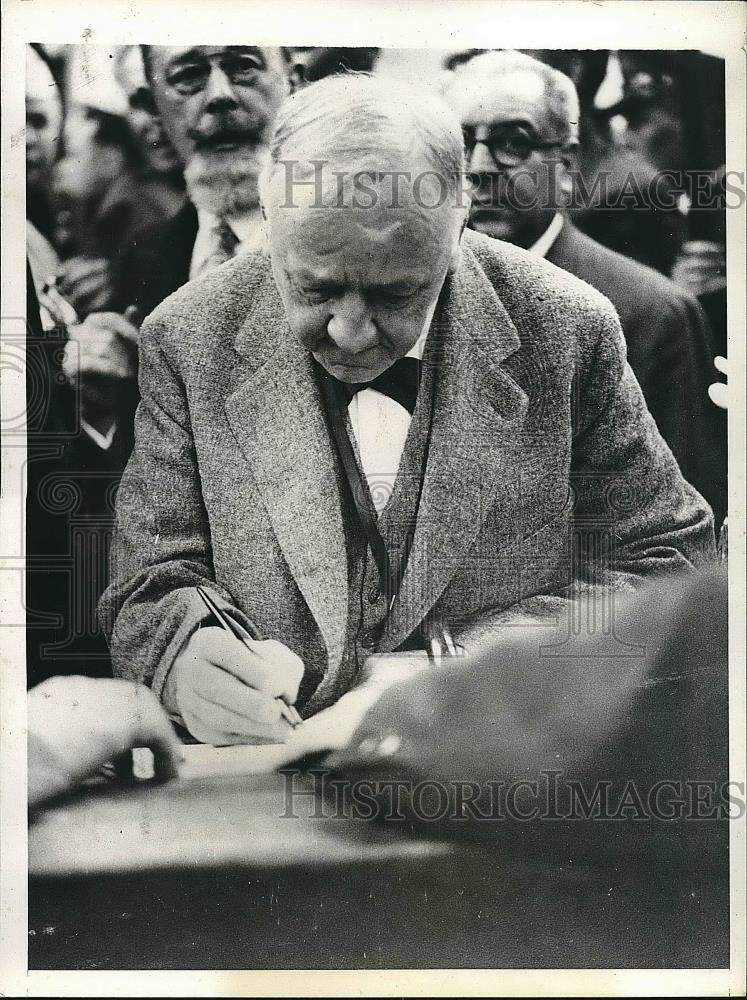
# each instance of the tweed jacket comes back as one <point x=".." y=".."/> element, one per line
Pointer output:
<point x="544" y="468"/>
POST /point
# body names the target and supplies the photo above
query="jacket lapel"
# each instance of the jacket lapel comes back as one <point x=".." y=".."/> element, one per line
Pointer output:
<point x="477" y="416"/>
<point x="276" y="414"/>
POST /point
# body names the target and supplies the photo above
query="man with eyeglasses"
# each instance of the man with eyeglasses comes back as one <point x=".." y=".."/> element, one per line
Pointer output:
<point x="217" y="104"/>
<point x="520" y="124"/>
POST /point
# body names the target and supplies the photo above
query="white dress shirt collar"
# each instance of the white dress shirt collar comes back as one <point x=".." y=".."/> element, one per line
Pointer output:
<point x="418" y="348"/>
<point x="542" y="247"/>
<point x="249" y="228"/>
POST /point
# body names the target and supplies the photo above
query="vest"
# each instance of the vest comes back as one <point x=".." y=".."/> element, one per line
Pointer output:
<point x="368" y="606"/>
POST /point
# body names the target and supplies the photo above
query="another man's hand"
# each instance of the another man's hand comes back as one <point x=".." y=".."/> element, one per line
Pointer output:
<point x="225" y="692"/>
<point x="700" y="267"/>
<point x="87" y="283"/>
<point x="100" y="361"/>
<point x="104" y="345"/>
<point x="76" y="724"/>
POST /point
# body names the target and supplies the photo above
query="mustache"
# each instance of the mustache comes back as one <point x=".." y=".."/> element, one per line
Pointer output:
<point x="219" y="134"/>
<point x="487" y="188"/>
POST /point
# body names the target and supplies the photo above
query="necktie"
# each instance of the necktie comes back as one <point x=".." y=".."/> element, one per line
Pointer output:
<point x="224" y="242"/>
<point x="400" y="382"/>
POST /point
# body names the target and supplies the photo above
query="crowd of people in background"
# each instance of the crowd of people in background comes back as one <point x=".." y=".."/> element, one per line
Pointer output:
<point x="142" y="167"/>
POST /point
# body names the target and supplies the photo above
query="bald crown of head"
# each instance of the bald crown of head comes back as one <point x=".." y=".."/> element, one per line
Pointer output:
<point x="474" y="76"/>
<point x="359" y="122"/>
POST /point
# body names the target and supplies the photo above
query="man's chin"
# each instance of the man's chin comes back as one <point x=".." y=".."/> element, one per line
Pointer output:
<point x="345" y="371"/>
<point x="225" y="182"/>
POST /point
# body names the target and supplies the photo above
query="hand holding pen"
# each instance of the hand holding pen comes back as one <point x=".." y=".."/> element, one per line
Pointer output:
<point x="287" y="710"/>
<point x="227" y="687"/>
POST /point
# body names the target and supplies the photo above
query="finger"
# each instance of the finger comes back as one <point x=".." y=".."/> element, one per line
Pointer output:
<point x="722" y="364"/>
<point x="221" y="649"/>
<point x="152" y="729"/>
<point x="719" y="395"/>
<point x="257" y="714"/>
<point x="114" y="323"/>
<point x="76" y="266"/>
<point x="283" y="669"/>
<point x="222" y="726"/>
<point x="702" y="247"/>
<point x="110" y="368"/>
<point x="87" y="285"/>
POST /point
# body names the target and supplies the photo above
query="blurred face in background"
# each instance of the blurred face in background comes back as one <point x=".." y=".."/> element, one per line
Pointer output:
<point x="218" y="105"/>
<point x="142" y="114"/>
<point x="43" y="126"/>
<point x="513" y="143"/>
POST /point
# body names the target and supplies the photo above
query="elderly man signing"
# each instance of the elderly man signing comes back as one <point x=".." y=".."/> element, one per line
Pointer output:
<point x="384" y="421"/>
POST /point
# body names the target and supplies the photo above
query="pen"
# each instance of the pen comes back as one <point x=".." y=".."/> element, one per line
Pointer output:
<point x="440" y="642"/>
<point x="288" y="711"/>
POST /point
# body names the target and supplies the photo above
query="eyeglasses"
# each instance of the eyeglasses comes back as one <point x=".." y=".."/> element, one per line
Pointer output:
<point x="509" y="145"/>
<point x="191" y="76"/>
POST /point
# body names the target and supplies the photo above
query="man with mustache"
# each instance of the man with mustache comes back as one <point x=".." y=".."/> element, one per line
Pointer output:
<point x="290" y="460"/>
<point x="217" y="104"/>
<point x="520" y="121"/>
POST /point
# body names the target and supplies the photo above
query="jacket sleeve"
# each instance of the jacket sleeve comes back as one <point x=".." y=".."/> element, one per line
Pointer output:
<point x="161" y="548"/>
<point x="634" y="515"/>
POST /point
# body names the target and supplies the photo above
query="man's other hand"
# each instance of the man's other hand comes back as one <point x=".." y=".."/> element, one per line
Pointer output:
<point x="225" y="692"/>
<point x="76" y="724"/>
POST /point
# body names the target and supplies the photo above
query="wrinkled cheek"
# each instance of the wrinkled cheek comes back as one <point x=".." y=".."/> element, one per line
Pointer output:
<point x="308" y="330"/>
<point x="523" y="192"/>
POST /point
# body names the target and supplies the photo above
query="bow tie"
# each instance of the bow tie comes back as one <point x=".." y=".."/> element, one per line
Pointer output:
<point x="400" y="382"/>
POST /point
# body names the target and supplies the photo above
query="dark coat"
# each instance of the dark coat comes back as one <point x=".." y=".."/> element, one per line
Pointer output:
<point x="670" y="351"/>
<point x="155" y="263"/>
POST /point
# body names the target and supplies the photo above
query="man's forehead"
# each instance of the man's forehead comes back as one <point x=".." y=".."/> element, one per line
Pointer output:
<point x="501" y="96"/>
<point x="331" y="229"/>
<point x="380" y="184"/>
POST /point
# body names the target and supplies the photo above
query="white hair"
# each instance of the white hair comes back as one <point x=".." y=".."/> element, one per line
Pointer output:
<point x="355" y="118"/>
<point x="560" y="91"/>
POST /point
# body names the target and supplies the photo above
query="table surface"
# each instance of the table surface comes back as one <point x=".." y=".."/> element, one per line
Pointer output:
<point x="228" y="808"/>
<point x="209" y="871"/>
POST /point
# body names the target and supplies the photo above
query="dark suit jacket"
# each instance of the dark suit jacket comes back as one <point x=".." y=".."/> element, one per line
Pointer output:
<point x="70" y="489"/>
<point x="669" y="350"/>
<point x="544" y="466"/>
<point x="155" y="263"/>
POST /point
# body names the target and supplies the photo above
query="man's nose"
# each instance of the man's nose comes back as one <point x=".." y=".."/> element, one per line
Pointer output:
<point x="219" y="95"/>
<point x="480" y="160"/>
<point x="351" y="327"/>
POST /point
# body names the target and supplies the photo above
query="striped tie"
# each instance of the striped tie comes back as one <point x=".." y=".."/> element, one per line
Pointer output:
<point x="224" y="241"/>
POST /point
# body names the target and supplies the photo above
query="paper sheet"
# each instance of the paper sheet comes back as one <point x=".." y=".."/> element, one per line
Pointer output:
<point x="328" y="730"/>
